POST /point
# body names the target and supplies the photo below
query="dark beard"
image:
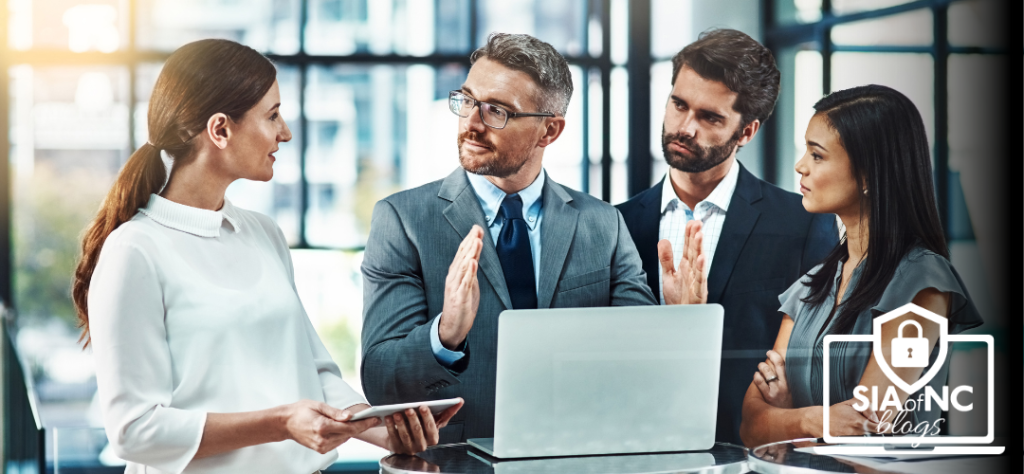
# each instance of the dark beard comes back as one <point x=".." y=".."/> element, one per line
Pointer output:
<point x="501" y="166"/>
<point x="703" y="159"/>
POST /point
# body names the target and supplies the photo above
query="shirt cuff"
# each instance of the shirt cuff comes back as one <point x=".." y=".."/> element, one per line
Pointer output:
<point x="444" y="356"/>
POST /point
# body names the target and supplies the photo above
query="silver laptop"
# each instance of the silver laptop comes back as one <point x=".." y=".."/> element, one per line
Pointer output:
<point x="587" y="381"/>
<point x="618" y="464"/>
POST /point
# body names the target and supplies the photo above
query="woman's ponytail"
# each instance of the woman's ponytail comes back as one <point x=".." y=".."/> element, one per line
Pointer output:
<point x="142" y="175"/>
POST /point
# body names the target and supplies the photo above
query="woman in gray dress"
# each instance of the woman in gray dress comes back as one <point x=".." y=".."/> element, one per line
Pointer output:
<point x="867" y="161"/>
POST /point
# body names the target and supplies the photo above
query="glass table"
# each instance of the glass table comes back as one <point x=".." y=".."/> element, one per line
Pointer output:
<point x="798" y="457"/>
<point x="462" y="459"/>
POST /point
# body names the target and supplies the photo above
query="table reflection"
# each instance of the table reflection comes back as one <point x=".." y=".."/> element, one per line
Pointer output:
<point x="460" y="458"/>
<point x="799" y="456"/>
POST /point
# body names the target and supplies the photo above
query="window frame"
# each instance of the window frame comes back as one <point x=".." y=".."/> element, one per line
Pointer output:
<point x="819" y="33"/>
<point x="131" y="57"/>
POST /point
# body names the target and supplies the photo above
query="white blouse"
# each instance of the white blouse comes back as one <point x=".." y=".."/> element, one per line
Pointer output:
<point x="194" y="311"/>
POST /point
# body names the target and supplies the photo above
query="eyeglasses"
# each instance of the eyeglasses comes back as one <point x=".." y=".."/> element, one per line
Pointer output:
<point x="494" y="116"/>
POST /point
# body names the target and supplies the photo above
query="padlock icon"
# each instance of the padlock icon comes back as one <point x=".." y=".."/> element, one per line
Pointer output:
<point x="910" y="352"/>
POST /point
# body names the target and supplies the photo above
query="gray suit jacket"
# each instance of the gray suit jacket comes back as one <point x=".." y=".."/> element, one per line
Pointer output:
<point x="588" y="259"/>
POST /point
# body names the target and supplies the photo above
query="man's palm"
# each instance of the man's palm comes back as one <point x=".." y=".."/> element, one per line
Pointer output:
<point x="688" y="283"/>
<point x="461" y="291"/>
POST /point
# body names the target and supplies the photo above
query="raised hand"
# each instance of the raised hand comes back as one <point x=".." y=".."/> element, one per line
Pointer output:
<point x="687" y="284"/>
<point x="461" y="291"/>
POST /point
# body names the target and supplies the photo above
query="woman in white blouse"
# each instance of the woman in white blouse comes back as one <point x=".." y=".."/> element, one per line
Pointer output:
<point x="205" y="358"/>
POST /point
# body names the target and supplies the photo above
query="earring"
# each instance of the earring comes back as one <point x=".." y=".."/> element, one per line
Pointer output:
<point x="865" y="191"/>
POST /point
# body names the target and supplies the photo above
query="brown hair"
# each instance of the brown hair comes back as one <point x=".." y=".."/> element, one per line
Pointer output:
<point x="745" y="66"/>
<point x="198" y="80"/>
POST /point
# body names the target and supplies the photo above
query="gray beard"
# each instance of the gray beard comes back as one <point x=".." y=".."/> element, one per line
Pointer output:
<point x="501" y="167"/>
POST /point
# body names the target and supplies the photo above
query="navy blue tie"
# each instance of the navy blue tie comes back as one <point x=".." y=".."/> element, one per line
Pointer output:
<point x="515" y="255"/>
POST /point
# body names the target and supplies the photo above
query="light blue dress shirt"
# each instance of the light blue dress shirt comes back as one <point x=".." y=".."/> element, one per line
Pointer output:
<point x="490" y="198"/>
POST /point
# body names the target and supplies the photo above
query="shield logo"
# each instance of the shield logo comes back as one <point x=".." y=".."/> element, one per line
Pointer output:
<point x="903" y="342"/>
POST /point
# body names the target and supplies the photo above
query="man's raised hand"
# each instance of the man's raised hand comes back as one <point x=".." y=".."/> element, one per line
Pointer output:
<point x="461" y="291"/>
<point x="687" y="284"/>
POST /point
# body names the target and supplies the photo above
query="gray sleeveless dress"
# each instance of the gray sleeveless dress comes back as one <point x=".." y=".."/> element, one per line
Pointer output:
<point x="918" y="270"/>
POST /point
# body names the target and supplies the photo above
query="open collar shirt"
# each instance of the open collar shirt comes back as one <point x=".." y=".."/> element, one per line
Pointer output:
<point x="710" y="212"/>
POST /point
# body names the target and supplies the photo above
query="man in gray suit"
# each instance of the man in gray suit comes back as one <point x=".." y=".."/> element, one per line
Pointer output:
<point x="430" y="323"/>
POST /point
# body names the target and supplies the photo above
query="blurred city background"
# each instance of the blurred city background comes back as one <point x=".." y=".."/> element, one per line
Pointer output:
<point x="364" y="87"/>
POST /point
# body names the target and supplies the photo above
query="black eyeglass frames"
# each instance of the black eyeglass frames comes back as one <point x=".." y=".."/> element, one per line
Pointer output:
<point x="494" y="116"/>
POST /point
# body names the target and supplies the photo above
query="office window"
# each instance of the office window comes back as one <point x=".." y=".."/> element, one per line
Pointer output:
<point x="69" y="137"/>
<point x="68" y="25"/>
<point x="797" y="95"/>
<point x="269" y="26"/>
<point x="562" y="23"/>
<point x="787" y="12"/>
<point x="976" y="23"/>
<point x="974" y="132"/>
<point x="913" y="28"/>
<point x="846" y="7"/>
<point x="910" y="73"/>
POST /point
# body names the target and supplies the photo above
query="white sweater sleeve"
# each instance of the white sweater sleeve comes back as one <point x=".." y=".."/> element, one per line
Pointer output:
<point x="337" y="392"/>
<point x="133" y="363"/>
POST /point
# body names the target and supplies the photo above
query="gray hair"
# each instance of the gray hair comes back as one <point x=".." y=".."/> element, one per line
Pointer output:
<point x="537" y="59"/>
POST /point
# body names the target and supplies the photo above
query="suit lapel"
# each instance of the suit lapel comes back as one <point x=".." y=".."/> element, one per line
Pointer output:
<point x="556" y="234"/>
<point x="739" y="222"/>
<point x="646" y="236"/>
<point x="462" y="213"/>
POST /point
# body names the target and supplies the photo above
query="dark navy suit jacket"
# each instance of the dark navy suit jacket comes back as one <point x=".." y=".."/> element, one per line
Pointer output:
<point x="768" y="241"/>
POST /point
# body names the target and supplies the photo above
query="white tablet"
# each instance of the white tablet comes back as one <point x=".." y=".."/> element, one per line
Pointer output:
<point x="436" y="407"/>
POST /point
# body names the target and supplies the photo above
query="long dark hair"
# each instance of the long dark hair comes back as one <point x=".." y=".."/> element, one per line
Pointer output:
<point x="884" y="136"/>
<point x="198" y="80"/>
